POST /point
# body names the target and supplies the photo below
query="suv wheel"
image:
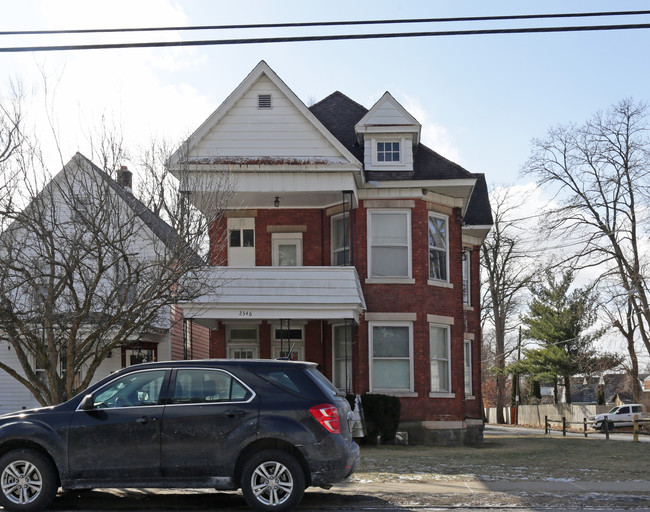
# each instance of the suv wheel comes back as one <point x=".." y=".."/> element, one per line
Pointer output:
<point x="28" y="481"/>
<point x="273" y="480"/>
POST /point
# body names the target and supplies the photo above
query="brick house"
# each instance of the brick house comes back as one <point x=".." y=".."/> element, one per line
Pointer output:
<point x="348" y="243"/>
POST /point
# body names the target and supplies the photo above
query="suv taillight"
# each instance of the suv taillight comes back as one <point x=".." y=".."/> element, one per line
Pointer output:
<point x="328" y="416"/>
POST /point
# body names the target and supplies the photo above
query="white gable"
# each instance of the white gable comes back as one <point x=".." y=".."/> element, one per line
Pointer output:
<point x="388" y="116"/>
<point x="240" y="131"/>
<point x="281" y="131"/>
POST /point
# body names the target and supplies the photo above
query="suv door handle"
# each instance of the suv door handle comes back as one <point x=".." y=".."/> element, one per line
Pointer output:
<point x="146" y="419"/>
<point x="231" y="413"/>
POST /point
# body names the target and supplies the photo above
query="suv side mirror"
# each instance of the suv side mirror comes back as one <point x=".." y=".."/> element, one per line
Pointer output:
<point x="88" y="403"/>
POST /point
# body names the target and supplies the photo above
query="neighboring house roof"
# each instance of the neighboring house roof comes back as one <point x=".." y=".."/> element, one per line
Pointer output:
<point x="158" y="226"/>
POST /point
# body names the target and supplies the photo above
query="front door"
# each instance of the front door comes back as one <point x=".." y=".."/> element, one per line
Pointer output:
<point x="119" y="440"/>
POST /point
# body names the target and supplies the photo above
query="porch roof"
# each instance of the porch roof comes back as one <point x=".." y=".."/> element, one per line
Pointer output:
<point x="273" y="293"/>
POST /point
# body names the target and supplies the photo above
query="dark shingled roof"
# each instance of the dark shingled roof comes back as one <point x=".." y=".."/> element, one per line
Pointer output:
<point x="479" y="212"/>
<point x="339" y="114"/>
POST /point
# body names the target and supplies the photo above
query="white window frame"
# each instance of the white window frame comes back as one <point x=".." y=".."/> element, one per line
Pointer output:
<point x="466" y="263"/>
<point x="440" y="393"/>
<point x="242" y="344"/>
<point x="376" y="213"/>
<point x="395" y="392"/>
<point x="278" y="239"/>
<point x="335" y="358"/>
<point x="445" y="218"/>
<point x="467" y="369"/>
<point x="392" y="140"/>
<point x="344" y="217"/>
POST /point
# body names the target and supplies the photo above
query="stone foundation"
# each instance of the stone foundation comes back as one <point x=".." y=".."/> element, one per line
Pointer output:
<point x="444" y="433"/>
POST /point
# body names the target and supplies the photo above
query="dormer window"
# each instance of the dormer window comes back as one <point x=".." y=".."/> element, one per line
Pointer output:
<point x="388" y="151"/>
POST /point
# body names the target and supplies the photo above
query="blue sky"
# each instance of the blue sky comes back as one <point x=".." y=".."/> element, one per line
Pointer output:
<point x="481" y="99"/>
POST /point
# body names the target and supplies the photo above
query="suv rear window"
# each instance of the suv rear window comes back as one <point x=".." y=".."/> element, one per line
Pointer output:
<point x="294" y="380"/>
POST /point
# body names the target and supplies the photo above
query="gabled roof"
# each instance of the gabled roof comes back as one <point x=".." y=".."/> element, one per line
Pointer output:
<point x="388" y="115"/>
<point x="261" y="70"/>
<point x="158" y="226"/>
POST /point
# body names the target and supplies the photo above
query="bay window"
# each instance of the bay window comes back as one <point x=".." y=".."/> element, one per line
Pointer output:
<point x="440" y="360"/>
<point x="389" y="244"/>
<point x="391" y="356"/>
<point x="438" y="247"/>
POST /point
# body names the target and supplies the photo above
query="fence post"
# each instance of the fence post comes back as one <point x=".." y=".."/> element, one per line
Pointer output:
<point x="564" y="426"/>
<point x="606" y="424"/>
<point x="636" y="428"/>
<point x="584" y="424"/>
<point x="545" y="424"/>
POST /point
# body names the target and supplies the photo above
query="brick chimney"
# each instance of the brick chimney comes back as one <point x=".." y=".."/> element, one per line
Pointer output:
<point x="125" y="178"/>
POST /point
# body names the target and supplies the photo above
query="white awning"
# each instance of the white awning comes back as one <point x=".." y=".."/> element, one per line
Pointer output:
<point x="273" y="293"/>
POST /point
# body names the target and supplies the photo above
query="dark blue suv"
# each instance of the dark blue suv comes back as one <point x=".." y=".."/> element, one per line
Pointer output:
<point x="271" y="428"/>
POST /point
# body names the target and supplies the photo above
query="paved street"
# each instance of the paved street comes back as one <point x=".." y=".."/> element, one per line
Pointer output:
<point x="507" y="430"/>
<point x="394" y="494"/>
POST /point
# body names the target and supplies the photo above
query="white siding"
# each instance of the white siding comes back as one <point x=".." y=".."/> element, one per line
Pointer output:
<point x="13" y="395"/>
<point x="387" y="114"/>
<point x="279" y="132"/>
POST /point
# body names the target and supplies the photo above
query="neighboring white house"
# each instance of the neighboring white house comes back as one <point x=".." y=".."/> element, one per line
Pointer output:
<point x="68" y="195"/>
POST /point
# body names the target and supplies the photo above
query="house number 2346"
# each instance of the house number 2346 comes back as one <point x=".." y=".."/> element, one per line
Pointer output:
<point x="246" y="313"/>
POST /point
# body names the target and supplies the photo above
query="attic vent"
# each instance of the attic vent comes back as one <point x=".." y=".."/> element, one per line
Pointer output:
<point x="263" y="101"/>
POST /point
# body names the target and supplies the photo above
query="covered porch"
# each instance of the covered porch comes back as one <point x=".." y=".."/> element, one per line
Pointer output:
<point x="303" y="313"/>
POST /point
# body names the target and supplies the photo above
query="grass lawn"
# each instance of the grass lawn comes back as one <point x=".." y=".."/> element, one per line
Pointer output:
<point x="538" y="458"/>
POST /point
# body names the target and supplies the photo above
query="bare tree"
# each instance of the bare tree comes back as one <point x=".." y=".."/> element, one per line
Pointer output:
<point x="86" y="267"/>
<point x="507" y="273"/>
<point x="600" y="172"/>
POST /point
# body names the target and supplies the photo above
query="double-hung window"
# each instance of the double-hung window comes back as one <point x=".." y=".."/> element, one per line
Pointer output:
<point x="341" y="240"/>
<point x="342" y="355"/>
<point x="391" y="356"/>
<point x="389" y="243"/>
<point x="440" y="360"/>
<point x="466" y="266"/>
<point x="468" y="367"/>
<point x="438" y="247"/>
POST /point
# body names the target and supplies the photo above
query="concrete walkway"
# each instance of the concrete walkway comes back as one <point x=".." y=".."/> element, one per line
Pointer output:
<point x="475" y="486"/>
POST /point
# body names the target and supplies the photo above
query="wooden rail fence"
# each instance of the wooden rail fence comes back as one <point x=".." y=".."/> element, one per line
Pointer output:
<point x="637" y="428"/>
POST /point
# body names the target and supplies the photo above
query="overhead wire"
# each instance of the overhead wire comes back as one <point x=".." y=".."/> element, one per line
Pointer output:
<point x="331" y="23"/>
<point x="335" y="37"/>
<point x="340" y="37"/>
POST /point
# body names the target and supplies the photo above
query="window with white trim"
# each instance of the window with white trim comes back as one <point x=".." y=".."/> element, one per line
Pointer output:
<point x="286" y="249"/>
<point x="467" y="365"/>
<point x="242" y="342"/>
<point x="389" y="243"/>
<point x="438" y="247"/>
<point x="388" y="151"/>
<point x="391" y="349"/>
<point x="440" y="360"/>
<point x="466" y="259"/>
<point x="341" y="240"/>
<point x="342" y="355"/>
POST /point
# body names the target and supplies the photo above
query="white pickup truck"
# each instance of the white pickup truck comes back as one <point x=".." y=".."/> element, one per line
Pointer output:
<point x="619" y="416"/>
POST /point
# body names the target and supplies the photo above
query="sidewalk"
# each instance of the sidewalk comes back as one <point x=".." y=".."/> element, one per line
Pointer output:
<point x="475" y="486"/>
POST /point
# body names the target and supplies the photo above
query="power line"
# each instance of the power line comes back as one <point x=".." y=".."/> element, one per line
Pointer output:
<point x="330" y="23"/>
<point x="342" y="37"/>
